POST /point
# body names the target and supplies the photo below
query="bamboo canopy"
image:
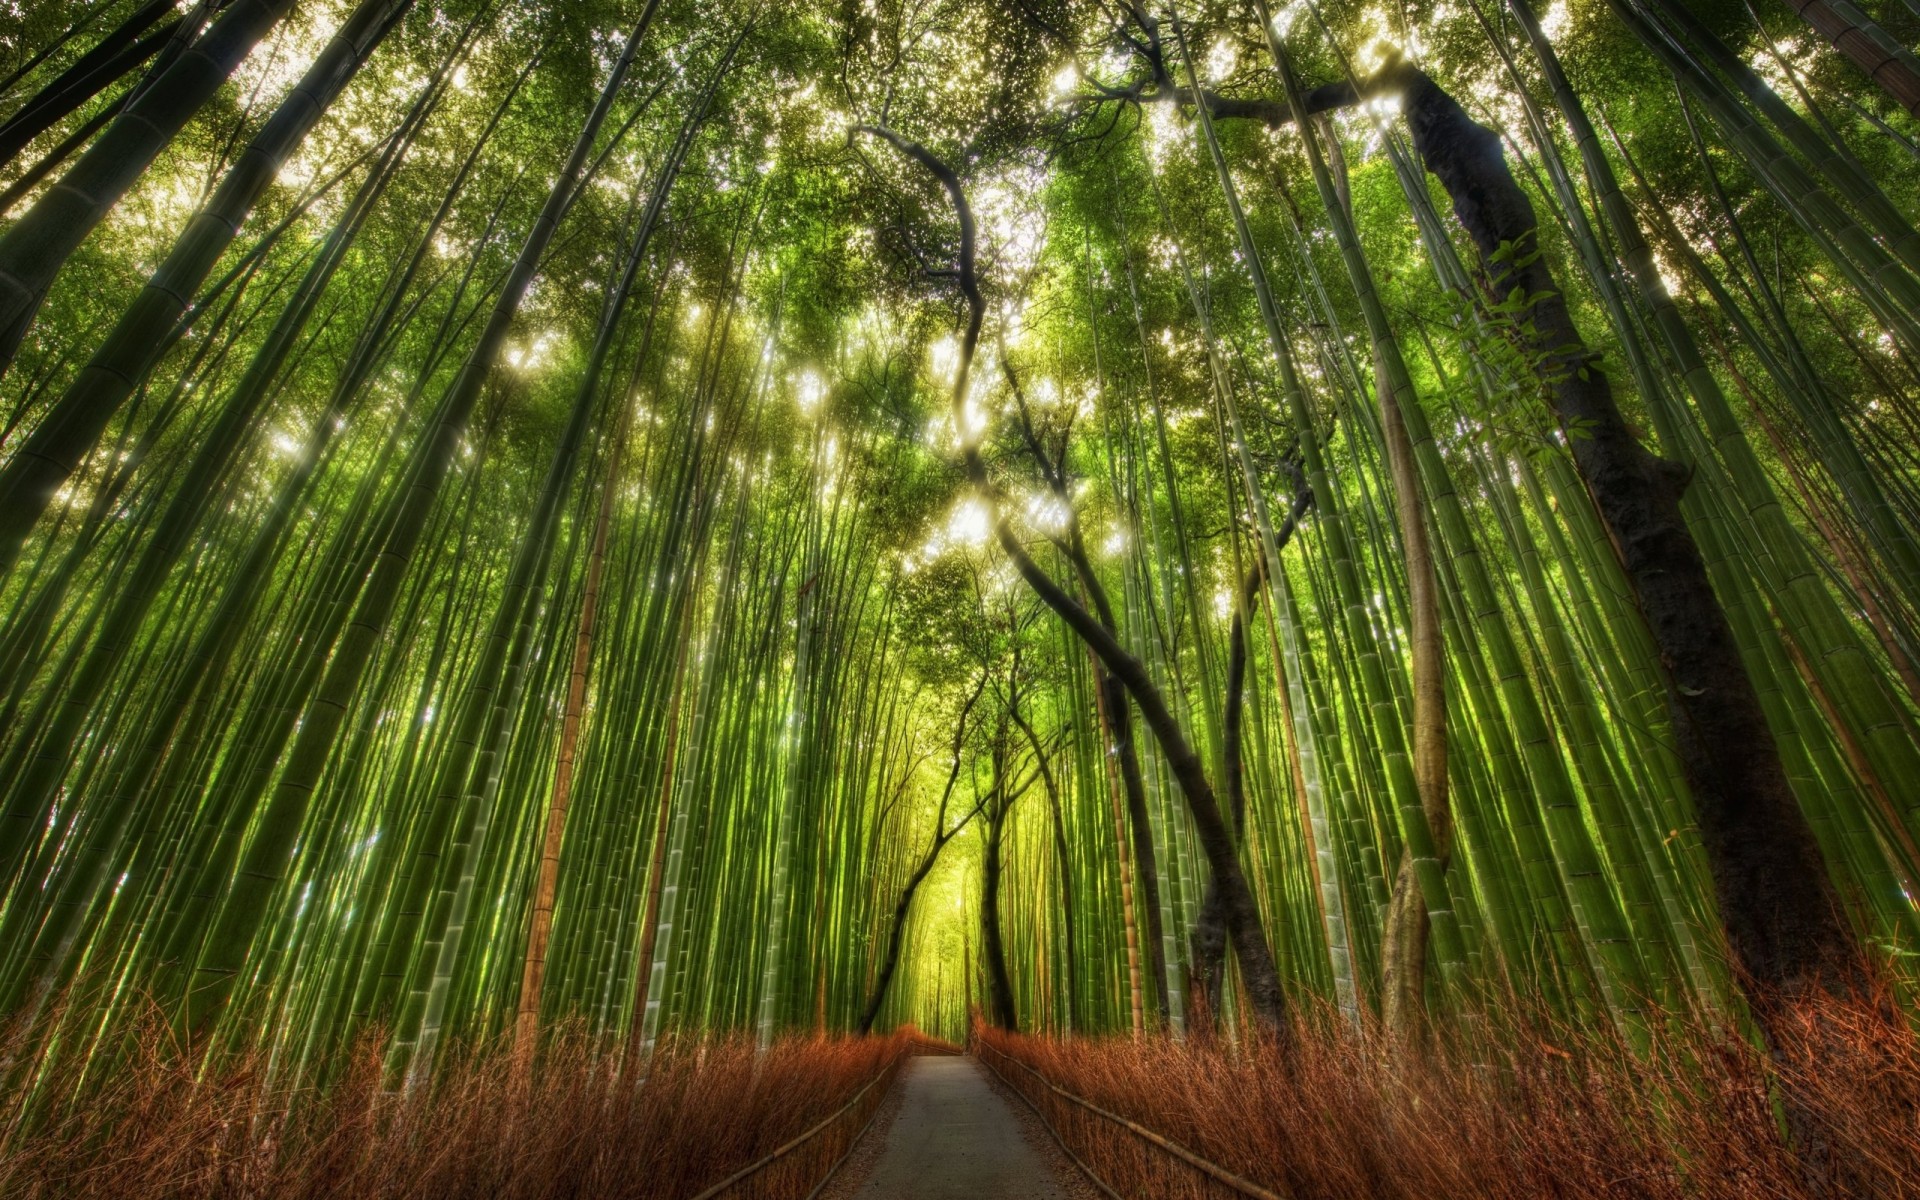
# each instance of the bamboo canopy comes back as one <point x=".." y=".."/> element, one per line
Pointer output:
<point x="660" y="517"/>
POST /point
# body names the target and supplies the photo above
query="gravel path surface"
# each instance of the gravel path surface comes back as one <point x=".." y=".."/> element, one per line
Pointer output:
<point x="947" y="1132"/>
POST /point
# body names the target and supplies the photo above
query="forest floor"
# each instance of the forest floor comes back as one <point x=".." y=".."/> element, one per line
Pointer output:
<point x="946" y="1133"/>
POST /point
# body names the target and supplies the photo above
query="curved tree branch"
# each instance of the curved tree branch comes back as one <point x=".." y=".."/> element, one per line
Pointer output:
<point x="1243" y="917"/>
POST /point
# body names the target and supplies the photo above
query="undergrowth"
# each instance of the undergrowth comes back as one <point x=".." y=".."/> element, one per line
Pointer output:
<point x="1518" y="1107"/>
<point x="1528" y="1108"/>
<point x="146" y="1127"/>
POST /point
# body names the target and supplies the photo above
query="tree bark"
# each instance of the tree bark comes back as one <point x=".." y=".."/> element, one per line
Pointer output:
<point x="1209" y="929"/>
<point x="33" y="250"/>
<point x="68" y="432"/>
<point x="1243" y="914"/>
<point x="941" y="836"/>
<point x="113" y="58"/>
<point x="1854" y="34"/>
<point x="1001" y="1009"/>
<point x="1777" y="904"/>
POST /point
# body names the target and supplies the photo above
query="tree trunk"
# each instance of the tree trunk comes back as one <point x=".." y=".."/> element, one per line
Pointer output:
<point x="51" y="160"/>
<point x="657" y="857"/>
<point x="1000" y="1008"/>
<point x="1209" y="930"/>
<point x="1777" y="904"/>
<point x="941" y="836"/>
<point x="1065" y="860"/>
<point x="1243" y="914"/>
<point x="69" y="430"/>
<point x="35" y="247"/>
<point x="1117" y="718"/>
<point x="533" y="975"/>
<point x="1853" y="34"/>
<point x="83" y="21"/>
<point x="112" y="59"/>
<point x="1783" y="925"/>
<point x="891" y="961"/>
<point x="1129" y="920"/>
<point x="1404" y="949"/>
<point x="267" y="856"/>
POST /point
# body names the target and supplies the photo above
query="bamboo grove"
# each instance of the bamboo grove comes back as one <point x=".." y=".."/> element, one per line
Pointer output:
<point x="656" y="517"/>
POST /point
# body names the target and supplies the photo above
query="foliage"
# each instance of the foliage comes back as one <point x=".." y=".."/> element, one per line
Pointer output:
<point x="290" y="656"/>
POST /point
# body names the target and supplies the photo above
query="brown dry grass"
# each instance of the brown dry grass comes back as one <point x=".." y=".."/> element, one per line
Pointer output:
<point x="1531" y="1109"/>
<point x="1536" y="1110"/>
<point x="148" y="1129"/>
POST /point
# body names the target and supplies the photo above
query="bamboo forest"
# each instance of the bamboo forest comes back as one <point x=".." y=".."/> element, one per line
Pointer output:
<point x="959" y="598"/>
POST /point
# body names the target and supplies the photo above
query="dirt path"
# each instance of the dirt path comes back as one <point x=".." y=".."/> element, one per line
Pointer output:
<point x="953" y="1137"/>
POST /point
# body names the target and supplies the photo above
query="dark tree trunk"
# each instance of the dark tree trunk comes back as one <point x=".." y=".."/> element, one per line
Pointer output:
<point x="1216" y="841"/>
<point x="1209" y="929"/>
<point x="1784" y="929"/>
<point x="1000" y="1007"/>
<point x="1777" y="905"/>
<point x="51" y="160"/>
<point x="83" y="21"/>
<point x="1146" y="870"/>
<point x="98" y="69"/>
<point x="33" y="250"/>
<point x="891" y="961"/>
<point x="1782" y="919"/>
<point x="1066" y="865"/>
<point x="1789" y="942"/>
<point x="145" y="330"/>
<point x="941" y="836"/>
<point x="1116" y="713"/>
<point x="1884" y="60"/>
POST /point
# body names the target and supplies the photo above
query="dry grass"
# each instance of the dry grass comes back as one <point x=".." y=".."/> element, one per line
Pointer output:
<point x="706" y="1109"/>
<point x="1532" y="1109"/>
<point x="1535" y="1111"/>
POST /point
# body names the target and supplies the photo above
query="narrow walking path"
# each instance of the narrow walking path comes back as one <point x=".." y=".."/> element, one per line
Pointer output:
<point x="954" y="1138"/>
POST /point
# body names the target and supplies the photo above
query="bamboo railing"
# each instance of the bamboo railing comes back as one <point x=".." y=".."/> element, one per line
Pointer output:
<point x="1156" y="1165"/>
<point x="783" y="1170"/>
